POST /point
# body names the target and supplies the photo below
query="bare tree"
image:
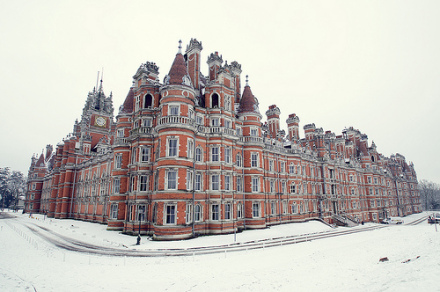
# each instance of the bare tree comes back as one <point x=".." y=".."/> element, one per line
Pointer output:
<point x="429" y="194"/>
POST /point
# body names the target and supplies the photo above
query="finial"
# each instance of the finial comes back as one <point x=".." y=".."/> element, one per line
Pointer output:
<point x="102" y="74"/>
<point x="247" y="80"/>
<point x="180" y="47"/>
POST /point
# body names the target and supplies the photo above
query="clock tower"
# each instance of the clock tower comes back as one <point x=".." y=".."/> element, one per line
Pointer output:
<point x="96" y="121"/>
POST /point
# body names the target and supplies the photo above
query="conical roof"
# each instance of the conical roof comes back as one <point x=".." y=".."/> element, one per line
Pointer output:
<point x="127" y="107"/>
<point x="248" y="103"/>
<point x="178" y="70"/>
<point x="40" y="162"/>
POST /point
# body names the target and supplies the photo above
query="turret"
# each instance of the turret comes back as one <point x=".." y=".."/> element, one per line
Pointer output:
<point x="192" y="57"/>
<point x="293" y="127"/>
<point x="214" y="63"/>
<point x="273" y="120"/>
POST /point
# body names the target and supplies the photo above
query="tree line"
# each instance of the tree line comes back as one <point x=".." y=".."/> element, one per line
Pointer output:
<point x="12" y="186"/>
<point x="429" y="195"/>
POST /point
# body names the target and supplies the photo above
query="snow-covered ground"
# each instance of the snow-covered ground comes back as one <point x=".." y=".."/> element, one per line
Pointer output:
<point x="343" y="263"/>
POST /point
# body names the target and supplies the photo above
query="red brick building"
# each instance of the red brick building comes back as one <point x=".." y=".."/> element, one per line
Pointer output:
<point x="191" y="156"/>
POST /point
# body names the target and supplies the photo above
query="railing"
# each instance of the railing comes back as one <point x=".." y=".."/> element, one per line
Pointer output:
<point x="176" y="120"/>
<point x="141" y="130"/>
<point x="222" y="130"/>
<point x="121" y="141"/>
<point x="251" y="139"/>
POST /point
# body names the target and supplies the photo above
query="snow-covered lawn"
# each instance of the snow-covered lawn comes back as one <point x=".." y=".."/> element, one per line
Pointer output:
<point x="344" y="263"/>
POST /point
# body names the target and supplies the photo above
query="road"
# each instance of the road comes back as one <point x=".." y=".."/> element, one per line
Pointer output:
<point x="71" y="244"/>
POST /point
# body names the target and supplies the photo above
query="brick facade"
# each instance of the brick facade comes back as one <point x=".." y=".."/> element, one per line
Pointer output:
<point x="191" y="156"/>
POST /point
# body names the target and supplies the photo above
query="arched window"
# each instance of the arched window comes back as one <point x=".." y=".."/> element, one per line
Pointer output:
<point x="148" y="101"/>
<point x="198" y="213"/>
<point x="215" y="100"/>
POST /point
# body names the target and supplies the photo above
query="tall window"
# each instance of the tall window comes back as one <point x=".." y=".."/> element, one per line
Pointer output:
<point x="228" y="154"/>
<point x="118" y="160"/>
<point x="227" y="183"/>
<point x="254" y="160"/>
<point x="215" y="212"/>
<point x="215" y="155"/>
<point x="132" y="183"/>
<point x="133" y="155"/>
<point x="141" y="212"/>
<point x="283" y="166"/>
<point x="255" y="184"/>
<point x="172" y="147"/>
<point x="188" y="217"/>
<point x="270" y="165"/>
<point x="189" y="180"/>
<point x="215" y="182"/>
<point x="254" y="132"/>
<point x="239" y="210"/>
<point x="170" y="214"/>
<point x="199" y="154"/>
<point x="255" y="210"/>
<point x="198" y="182"/>
<point x="114" y="211"/>
<point x="238" y="160"/>
<point x="172" y="179"/>
<point x="199" y="120"/>
<point x="198" y="213"/>
<point x="190" y="148"/>
<point x="239" y="184"/>
<point x="145" y="154"/>
<point x="228" y="211"/>
<point x="143" y="183"/>
<point x="154" y="217"/>
<point x="116" y="185"/>
<point x="120" y="133"/>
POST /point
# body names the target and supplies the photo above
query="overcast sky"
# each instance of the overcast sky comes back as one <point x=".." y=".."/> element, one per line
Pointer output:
<point x="373" y="65"/>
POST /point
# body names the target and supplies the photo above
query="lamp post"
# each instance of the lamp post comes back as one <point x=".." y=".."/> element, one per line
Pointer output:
<point x="138" y="242"/>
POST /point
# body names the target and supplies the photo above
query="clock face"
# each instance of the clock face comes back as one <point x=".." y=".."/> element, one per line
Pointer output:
<point x="100" y="121"/>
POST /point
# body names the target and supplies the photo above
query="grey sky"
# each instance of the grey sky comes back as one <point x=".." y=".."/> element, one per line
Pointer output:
<point x="373" y="65"/>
